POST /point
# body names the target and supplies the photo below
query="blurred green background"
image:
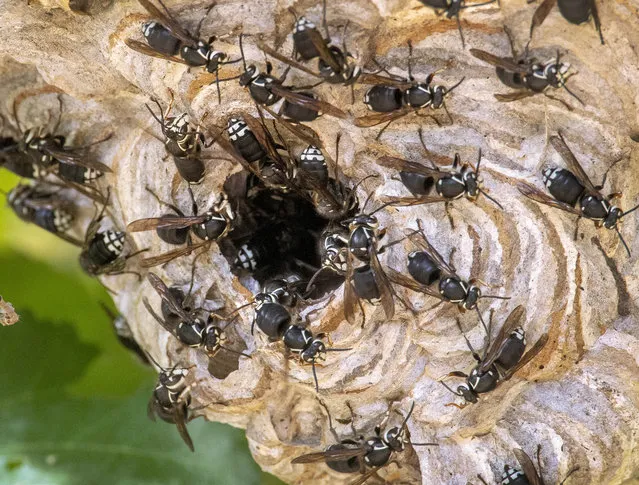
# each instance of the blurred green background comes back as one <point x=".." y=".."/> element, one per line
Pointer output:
<point x="73" y="405"/>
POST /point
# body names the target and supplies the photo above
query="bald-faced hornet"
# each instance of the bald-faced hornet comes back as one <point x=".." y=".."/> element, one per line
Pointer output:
<point x="332" y="199"/>
<point x="276" y="323"/>
<point x="461" y="180"/>
<point x="187" y="327"/>
<point x="266" y="90"/>
<point x="36" y="204"/>
<point x="574" y="11"/>
<point x="273" y="301"/>
<point x="38" y="153"/>
<point x="102" y="251"/>
<point x="393" y="99"/>
<point x="451" y="8"/>
<point x="528" y="76"/>
<point x="364" y="455"/>
<point x="176" y="229"/>
<point x="273" y="317"/>
<point x="171" y="399"/>
<point x="255" y="148"/>
<point x="501" y="359"/>
<point x="335" y="65"/>
<point x="165" y="39"/>
<point x="368" y="281"/>
<point x="573" y="186"/>
<point x="270" y="160"/>
<point x="182" y="142"/>
<point x="427" y="266"/>
<point x="528" y="475"/>
<point x="333" y="248"/>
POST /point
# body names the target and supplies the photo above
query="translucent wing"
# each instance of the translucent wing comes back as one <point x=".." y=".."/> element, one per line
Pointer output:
<point x="375" y="119"/>
<point x="402" y="165"/>
<point x="303" y="132"/>
<point x="402" y="280"/>
<point x="528" y="467"/>
<point x="502" y="62"/>
<point x="574" y="166"/>
<point x="157" y="318"/>
<point x="350" y="299"/>
<point x="179" y="416"/>
<point x="171" y="255"/>
<point x="282" y="58"/>
<point x="230" y="149"/>
<point x="73" y="157"/>
<point x="538" y="196"/>
<point x="46" y="201"/>
<point x="496" y="345"/>
<point x="541" y="13"/>
<point x="160" y="287"/>
<point x="308" y="102"/>
<point x="330" y="455"/>
<point x="168" y="21"/>
<point x="410" y="201"/>
<point x="336" y="203"/>
<point x="146" y="49"/>
<point x="528" y="356"/>
<point x="324" y="52"/>
<point x="265" y="139"/>
<point x="376" y="79"/>
<point x="383" y="285"/>
<point x="421" y="242"/>
<point x="88" y="191"/>
<point x="172" y="222"/>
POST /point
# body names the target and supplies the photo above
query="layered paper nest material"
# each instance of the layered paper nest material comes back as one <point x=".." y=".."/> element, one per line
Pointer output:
<point x="579" y="399"/>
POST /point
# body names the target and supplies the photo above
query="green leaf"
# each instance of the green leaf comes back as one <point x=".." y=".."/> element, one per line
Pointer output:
<point x="73" y="408"/>
<point x="58" y="295"/>
<point x="50" y="437"/>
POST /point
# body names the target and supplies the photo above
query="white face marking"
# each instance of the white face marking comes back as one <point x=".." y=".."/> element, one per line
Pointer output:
<point x="549" y="175"/>
<point x="510" y="475"/>
<point x="303" y="24"/>
<point x="62" y="220"/>
<point x="519" y="334"/>
<point x="148" y="27"/>
<point x="312" y="154"/>
<point x="237" y="129"/>
<point x="246" y="258"/>
<point x="114" y="241"/>
<point x="215" y="55"/>
<point x="90" y="174"/>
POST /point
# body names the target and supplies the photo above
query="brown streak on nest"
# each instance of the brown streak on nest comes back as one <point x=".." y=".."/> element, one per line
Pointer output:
<point x="29" y="93"/>
<point x="624" y="301"/>
<point x="205" y="78"/>
<point x="475" y="268"/>
<point x="357" y="372"/>
<point x="333" y="317"/>
<point x="124" y="24"/>
<point x="401" y="30"/>
<point x="579" y="336"/>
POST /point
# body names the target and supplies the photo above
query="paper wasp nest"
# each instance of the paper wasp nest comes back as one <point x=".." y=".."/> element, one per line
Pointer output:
<point x="579" y="398"/>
